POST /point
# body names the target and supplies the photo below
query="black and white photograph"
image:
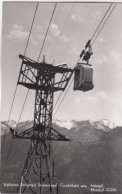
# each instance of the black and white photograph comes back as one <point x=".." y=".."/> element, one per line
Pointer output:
<point x="61" y="97"/>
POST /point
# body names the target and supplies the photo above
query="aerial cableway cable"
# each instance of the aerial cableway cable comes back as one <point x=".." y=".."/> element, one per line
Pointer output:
<point x="61" y="32"/>
<point x="15" y="94"/>
<point x="55" y="22"/>
<point x="31" y="28"/>
<point x="79" y="59"/>
<point x="6" y="160"/>
<point x="47" y="31"/>
<point x="56" y="46"/>
<point x="38" y="60"/>
<point x="16" y="84"/>
<point x="104" y="23"/>
<point x="91" y="44"/>
<point x="101" y="21"/>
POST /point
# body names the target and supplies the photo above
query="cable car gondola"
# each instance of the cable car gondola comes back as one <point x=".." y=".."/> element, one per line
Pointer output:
<point x="83" y="77"/>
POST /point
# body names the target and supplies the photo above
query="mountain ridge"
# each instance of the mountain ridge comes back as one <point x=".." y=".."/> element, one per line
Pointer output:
<point x="91" y="157"/>
<point x="104" y="124"/>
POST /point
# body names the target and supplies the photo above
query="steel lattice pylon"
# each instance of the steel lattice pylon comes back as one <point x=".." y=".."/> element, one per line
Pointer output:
<point x="38" y="175"/>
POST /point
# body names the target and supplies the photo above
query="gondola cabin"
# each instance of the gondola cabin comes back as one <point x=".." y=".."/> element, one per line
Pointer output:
<point x="83" y="77"/>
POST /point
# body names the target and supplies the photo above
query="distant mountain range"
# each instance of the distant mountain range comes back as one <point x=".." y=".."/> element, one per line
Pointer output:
<point x="94" y="155"/>
<point x="104" y="124"/>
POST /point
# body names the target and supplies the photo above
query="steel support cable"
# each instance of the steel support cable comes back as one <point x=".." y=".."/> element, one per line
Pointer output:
<point x="61" y="32"/>
<point x="7" y="159"/>
<point x="22" y="108"/>
<point x="55" y="49"/>
<point x="47" y="31"/>
<point x="91" y="39"/>
<point x="15" y="95"/>
<point x="8" y="118"/>
<point x="55" y="21"/>
<point x="92" y="44"/>
<point x="9" y="154"/>
<point x="99" y="26"/>
<point x="16" y="84"/>
<point x="65" y="93"/>
<point x="104" y="23"/>
<point x="62" y="99"/>
<point x="57" y="100"/>
<point x="101" y="21"/>
<point x="37" y="62"/>
<point x="31" y="28"/>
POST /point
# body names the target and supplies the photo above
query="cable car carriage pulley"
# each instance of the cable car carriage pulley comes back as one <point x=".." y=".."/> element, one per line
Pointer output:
<point x="83" y="75"/>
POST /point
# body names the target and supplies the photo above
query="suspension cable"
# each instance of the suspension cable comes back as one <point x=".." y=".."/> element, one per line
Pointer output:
<point x="7" y="159"/>
<point x="37" y="61"/>
<point x="16" y="84"/>
<point x="22" y="107"/>
<point x="31" y="28"/>
<point x="104" y="23"/>
<point x="61" y="32"/>
<point x="79" y="58"/>
<point x="14" y="97"/>
<point x="47" y="31"/>
<point x="55" y="49"/>
<point x="92" y="44"/>
<point x="55" y="21"/>
<point x="62" y="99"/>
<point x="8" y="119"/>
<point x="101" y="21"/>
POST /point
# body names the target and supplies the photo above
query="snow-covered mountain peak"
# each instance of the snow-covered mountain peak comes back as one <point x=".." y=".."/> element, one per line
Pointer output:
<point x="12" y="123"/>
<point x="104" y="125"/>
<point x="66" y="124"/>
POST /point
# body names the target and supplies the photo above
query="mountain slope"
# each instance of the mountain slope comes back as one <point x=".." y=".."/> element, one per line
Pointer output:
<point x="92" y="157"/>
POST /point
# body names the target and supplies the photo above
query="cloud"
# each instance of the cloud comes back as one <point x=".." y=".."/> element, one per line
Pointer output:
<point x="66" y="39"/>
<point x="112" y="59"/>
<point x="96" y="15"/>
<point x="101" y="95"/>
<point x="75" y="51"/>
<point x="100" y="40"/>
<point x="55" y="30"/>
<point x="77" y="18"/>
<point x="17" y="32"/>
<point x="33" y="41"/>
<point x="77" y="99"/>
<point x="38" y="27"/>
<point x="102" y="60"/>
<point x="116" y="56"/>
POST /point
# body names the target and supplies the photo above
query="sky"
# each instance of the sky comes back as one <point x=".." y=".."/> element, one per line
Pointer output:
<point x="72" y="26"/>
